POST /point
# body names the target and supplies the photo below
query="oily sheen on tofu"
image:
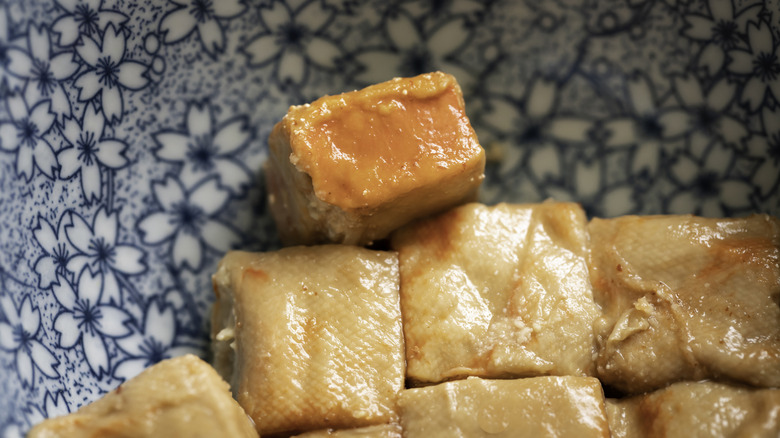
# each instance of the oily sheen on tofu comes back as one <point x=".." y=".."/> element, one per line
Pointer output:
<point x="697" y="410"/>
<point x="310" y="337"/>
<point x="177" y="397"/>
<point x="565" y="406"/>
<point x="497" y="291"/>
<point x="687" y="298"/>
<point x="353" y="167"/>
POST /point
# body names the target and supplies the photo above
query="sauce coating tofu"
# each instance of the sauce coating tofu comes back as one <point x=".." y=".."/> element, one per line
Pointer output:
<point x="697" y="410"/>
<point x="351" y="168"/>
<point x="182" y="396"/>
<point x="310" y="337"/>
<point x="497" y="291"/>
<point x="687" y="298"/>
<point x="564" y="406"/>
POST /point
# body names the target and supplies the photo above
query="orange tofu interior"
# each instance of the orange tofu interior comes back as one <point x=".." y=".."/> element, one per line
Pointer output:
<point x="363" y="148"/>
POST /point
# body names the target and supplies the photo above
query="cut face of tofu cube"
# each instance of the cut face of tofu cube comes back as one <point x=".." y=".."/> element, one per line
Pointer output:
<point x="697" y="410"/>
<point x="687" y="298"/>
<point x="183" y="396"/>
<point x="310" y="337"/>
<point x="532" y="407"/>
<point x="353" y="167"/>
<point x="497" y="292"/>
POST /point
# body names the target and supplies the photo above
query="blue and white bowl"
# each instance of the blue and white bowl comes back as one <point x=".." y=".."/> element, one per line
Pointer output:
<point x="132" y="136"/>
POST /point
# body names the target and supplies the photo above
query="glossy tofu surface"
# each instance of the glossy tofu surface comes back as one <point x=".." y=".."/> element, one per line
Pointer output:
<point x="532" y="407"/>
<point x="351" y="168"/>
<point x="687" y="298"/>
<point x="497" y="291"/>
<point x="697" y="409"/>
<point x="183" y="396"/>
<point x="310" y="337"/>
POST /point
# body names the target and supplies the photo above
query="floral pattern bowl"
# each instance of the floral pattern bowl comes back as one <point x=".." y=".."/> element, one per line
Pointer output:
<point x="132" y="136"/>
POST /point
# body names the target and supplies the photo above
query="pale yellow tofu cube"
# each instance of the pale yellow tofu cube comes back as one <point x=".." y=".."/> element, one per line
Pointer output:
<point x="697" y="410"/>
<point x="310" y="337"/>
<point x="549" y="406"/>
<point x="177" y="397"/>
<point x="687" y="298"/>
<point x="498" y="291"/>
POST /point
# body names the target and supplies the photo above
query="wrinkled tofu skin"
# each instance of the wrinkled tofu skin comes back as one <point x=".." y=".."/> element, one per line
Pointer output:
<point x="353" y="167"/>
<point x="697" y="410"/>
<point x="687" y="298"/>
<point x="497" y="292"/>
<point x="178" y="397"/>
<point x="310" y="337"/>
<point x="532" y="407"/>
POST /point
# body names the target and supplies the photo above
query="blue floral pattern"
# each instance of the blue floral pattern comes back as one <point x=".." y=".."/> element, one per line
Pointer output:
<point x="187" y="221"/>
<point x="204" y="151"/>
<point x="84" y="18"/>
<point x="108" y="72"/>
<point x="86" y="320"/>
<point x="25" y="134"/>
<point x="201" y="17"/>
<point x="132" y="140"/>
<point x="18" y="336"/>
<point x="43" y="71"/>
<point x="88" y="151"/>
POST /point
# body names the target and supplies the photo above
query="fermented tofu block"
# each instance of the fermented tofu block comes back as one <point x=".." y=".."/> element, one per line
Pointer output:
<point x="533" y="407"/>
<point x="310" y="337"/>
<point x="697" y="410"/>
<point x="687" y="298"/>
<point x="177" y="397"/>
<point x="353" y="167"/>
<point x="497" y="291"/>
<point x="379" y="431"/>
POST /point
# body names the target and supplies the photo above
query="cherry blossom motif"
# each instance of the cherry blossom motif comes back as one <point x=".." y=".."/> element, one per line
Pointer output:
<point x="293" y="42"/>
<point x="109" y="72"/>
<point x="761" y="62"/>
<point x="720" y="31"/>
<point x="85" y="319"/>
<point x="88" y="152"/>
<point x="18" y="336"/>
<point x="534" y="129"/>
<point x="706" y="117"/>
<point x="99" y="252"/>
<point x="646" y="126"/>
<point x="187" y="218"/>
<point x="205" y="151"/>
<point x="84" y="17"/>
<point x="57" y="250"/>
<point x="152" y="343"/>
<point x="202" y="17"/>
<point x="43" y="70"/>
<point x="706" y="186"/>
<point x="24" y="135"/>
<point x="415" y="50"/>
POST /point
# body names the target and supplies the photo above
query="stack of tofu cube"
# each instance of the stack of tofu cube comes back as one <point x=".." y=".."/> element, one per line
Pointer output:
<point x="401" y="307"/>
